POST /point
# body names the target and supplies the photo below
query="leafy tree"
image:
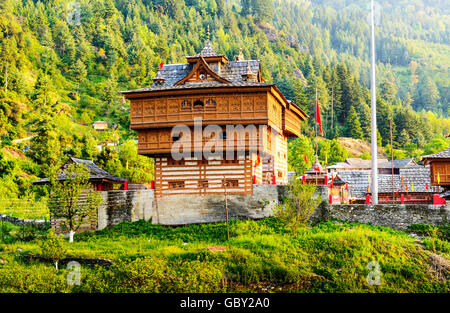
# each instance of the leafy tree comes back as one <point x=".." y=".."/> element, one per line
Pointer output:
<point x="72" y="201"/>
<point x="436" y="145"/>
<point x="53" y="247"/>
<point x="299" y="205"/>
<point x="298" y="148"/>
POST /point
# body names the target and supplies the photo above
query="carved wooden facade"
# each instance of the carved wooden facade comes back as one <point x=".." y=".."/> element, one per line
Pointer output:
<point x="439" y="168"/>
<point x="214" y="104"/>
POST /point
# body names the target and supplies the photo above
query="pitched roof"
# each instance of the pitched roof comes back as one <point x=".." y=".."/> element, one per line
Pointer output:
<point x="355" y="163"/>
<point x="358" y="180"/>
<point x="208" y="51"/>
<point x="401" y="163"/>
<point x="440" y="155"/>
<point x="96" y="173"/>
<point x="199" y="85"/>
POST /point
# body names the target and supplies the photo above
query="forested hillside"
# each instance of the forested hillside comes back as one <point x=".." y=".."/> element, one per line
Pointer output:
<point x="63" y="62"/>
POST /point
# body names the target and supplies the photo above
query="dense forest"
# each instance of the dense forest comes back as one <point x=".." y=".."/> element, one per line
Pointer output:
<point x="63" y="62"/>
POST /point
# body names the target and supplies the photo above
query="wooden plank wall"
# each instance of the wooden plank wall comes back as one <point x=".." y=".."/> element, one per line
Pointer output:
<point x="159" y="140"/>
<point x="202" y="176"/>
<point x="234" y="108"/>
<point x="443" y="168"/>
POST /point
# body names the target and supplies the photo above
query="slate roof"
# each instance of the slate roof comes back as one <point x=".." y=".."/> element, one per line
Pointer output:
<point x="440" y="155"/>
<point x="358" y="180"/>
<point x="200" y="85"/>
<point x="96" y="173"/>
<point x="232" y="71"/>
<point x="208" y="51"/>
<point x="356" y="163"/>
<point x="445" y="195"/>
<point x="402" y="163"/>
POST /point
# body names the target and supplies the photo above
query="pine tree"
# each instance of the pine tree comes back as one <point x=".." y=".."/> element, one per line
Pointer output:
<point x="353" y="126"/>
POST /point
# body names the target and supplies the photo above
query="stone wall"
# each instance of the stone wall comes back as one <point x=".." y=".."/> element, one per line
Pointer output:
<point x="18" y="221"/>
<point x="124" y="206"/>
<point x="133" y="205"/>
<point x="394" y="216"/>
<point x="187" y="209"/>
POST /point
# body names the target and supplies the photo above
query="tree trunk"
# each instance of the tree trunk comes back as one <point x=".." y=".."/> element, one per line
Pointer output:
<point x="71" y="233"/>
<point x="56" y="265"/>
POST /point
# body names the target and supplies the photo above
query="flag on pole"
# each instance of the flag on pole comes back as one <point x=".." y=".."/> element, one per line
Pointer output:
<point x="258" y="160"/>
<point x="306" y="158"/>
<point x="369" y="179"/>
<point x="412" y="187"/>
<point x="161" y="65"/>
<point x="403" y="182"/>
<point x="427" y="186"/>
<point x="438" y="179"/>
<point x="318" y="119"/>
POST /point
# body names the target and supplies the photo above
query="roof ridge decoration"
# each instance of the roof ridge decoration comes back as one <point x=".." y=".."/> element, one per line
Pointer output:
<point x="207" y="50"/>
<point x="240" y="56"/>
<point x="248" y="74"/>
<point x="202" y="64"/>
<point x="159" y="79"/>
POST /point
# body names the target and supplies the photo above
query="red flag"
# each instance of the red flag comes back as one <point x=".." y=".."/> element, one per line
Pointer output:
<point x="306" y="158"/>
<point x="258" y="160"/>
<point x="161" y="65"/>
<point x="427" y="186"/>
<point x="318" y="119"/>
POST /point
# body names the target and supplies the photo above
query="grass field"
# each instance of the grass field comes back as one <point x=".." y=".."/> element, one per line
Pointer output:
<point x="261" y="256"/>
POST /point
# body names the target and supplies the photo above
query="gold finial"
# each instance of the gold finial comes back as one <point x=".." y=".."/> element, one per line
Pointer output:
<point x="207" y="33"/>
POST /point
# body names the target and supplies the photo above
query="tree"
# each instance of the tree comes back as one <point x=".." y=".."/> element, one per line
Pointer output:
<point x="72" y="201"/>
<point x="389" y="89"/>
<point x="403" y="138"/>
<point x="427" y="94"/>
<point x="299" y="205"/>
<point x="436" y="145"/>
<point x="53" y="247"/>
<point x="353" y="126"/>
<point x="298" y="148"/>
<point x="45" y="147"/>
<point x="79" y="73"/>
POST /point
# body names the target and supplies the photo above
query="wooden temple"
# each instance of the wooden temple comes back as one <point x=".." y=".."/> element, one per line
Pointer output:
<point x="439" y="168"/>
<point x="219" y="105"/>
<point x="100" y="179"/>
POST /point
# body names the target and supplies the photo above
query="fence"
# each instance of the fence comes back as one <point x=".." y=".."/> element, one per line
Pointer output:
<point x="25" y="208"/>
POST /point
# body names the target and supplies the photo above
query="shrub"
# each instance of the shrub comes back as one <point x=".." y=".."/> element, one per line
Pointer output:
<point x="53" y="248"/>
<point x="299" y="205"/>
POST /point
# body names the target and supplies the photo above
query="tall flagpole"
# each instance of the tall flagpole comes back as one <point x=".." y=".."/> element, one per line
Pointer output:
<point x="374" y="110"/>
<point x="315" y="104"/>
<point x="315" y="123"/>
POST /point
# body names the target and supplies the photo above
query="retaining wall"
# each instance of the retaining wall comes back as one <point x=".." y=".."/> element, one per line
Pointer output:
<point x="133" y="205"/>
